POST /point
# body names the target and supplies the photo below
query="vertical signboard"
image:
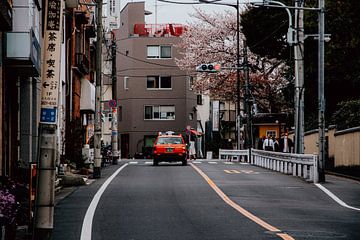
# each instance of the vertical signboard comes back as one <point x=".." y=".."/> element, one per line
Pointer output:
<point x="113" y="14"/>
<point x="215" y="115"/>
<point x="51" y="65"/>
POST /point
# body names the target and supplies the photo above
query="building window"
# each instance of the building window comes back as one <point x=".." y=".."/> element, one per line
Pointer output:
<point x="126" y="83"/>
<point x="157" y="51"/>
<point x="157" y="82"/>
<point x="190" y="82"/>
<point x="271" y="133"/>
<point x="120" y="114"/>
<point x="159" y="112"/>
<point x="191" y="116"/>
<point x="199" y="99"/>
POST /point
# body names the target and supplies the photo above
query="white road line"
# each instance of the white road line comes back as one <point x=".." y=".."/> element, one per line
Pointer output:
<point x="133" y="162"/>
<point x="335" y="198"/>
<point x="86" y="229"/>
<point x="228" y="163"/>
<point x="197" y="162"/>
<point x="213" y="163"/>
<point x="148" y="162"/>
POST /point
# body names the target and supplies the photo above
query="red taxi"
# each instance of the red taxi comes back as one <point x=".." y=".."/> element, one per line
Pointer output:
<point x="169" y="147"/>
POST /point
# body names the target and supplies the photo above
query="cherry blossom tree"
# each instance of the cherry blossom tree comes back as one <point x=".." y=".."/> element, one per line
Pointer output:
<point x="212" y="38"/>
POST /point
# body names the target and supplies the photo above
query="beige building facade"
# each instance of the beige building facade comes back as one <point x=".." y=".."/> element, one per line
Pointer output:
<point x="153" y="94"/>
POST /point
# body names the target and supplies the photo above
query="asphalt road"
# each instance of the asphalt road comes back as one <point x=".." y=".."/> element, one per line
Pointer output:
<point x="207" y="200"/>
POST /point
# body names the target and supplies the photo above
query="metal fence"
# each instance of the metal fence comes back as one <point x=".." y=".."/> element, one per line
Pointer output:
<point x="234" y="155"/>
<point x="304" y="166"/>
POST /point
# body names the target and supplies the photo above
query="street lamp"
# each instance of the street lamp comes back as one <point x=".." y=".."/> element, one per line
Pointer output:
<point x="321" y="53"/>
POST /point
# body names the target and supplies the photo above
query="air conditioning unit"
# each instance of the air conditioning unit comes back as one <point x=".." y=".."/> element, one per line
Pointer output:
<point x="72" y="3"/>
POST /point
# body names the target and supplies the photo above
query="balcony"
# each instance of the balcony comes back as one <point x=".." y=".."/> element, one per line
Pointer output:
<point x="159" y="30"/>
<point x="23" y="51"/>
<point x="82" y="63"/>
<point x="5" y="15"/>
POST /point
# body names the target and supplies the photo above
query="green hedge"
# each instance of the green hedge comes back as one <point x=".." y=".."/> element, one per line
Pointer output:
<point x="347" y="115"/>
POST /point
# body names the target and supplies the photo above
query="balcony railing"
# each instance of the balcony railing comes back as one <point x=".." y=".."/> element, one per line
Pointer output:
<point x="159" y="30"/>
<point x="82" y="63"/>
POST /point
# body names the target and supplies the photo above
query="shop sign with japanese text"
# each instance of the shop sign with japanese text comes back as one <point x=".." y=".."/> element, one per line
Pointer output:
<point x="51" y="64"/>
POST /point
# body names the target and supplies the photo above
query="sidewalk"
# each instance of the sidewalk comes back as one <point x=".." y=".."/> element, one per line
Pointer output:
<point x="346" y="189"/>
<point x="61" y="192"/>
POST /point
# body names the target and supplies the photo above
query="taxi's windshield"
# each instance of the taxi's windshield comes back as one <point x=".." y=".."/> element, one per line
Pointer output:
<point x="169" y="140"/>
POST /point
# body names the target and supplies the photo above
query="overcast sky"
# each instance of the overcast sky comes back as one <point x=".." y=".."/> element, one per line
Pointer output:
<point x="176" y="13"/>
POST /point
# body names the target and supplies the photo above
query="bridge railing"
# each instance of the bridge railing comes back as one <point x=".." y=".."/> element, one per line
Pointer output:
<point x="301" y="165"/>
<point x="234" y="155"/>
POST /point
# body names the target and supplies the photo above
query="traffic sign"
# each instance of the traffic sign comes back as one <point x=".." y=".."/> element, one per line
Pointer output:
<point x="112" y="103"/>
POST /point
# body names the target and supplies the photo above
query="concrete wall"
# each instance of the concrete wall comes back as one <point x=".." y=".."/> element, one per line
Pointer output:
<point x="310" y="142"/>
<point x="132" y="62"/>
<point x="347" y="147"/>
<point x="344" y="146"/>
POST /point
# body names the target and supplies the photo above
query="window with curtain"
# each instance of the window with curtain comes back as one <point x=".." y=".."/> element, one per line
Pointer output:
<point x="158" y="51"/>
<point x="159" y="112"/>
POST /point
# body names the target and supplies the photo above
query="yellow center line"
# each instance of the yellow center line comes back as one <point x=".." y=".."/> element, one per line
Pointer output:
<point x="241" y="210"/>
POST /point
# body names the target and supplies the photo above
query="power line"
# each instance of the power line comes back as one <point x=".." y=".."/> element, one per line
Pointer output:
<point x="181" y="3"/>
<point x="144" y="76"/>
<point x="148" y="62"/>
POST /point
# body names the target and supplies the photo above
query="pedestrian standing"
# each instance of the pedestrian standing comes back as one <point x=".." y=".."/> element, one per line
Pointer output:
<point x="268" y="144"/>
<point x="261" y="142"/>
<point x="276" y="145"/>
<point x="285" y="144"/>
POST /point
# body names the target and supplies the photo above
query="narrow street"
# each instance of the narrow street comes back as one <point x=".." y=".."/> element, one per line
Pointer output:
<point x="171" y="201"/>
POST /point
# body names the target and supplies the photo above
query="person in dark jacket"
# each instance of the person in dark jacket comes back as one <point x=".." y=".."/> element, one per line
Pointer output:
<point x="276" y="144"/>
<point x="260" y="143"/>
<point x="286" y="144"/>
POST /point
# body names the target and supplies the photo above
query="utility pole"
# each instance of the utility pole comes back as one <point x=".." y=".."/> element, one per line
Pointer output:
<point x="97" y="131"/>
<point x="321" y="113"/>
<point x="299" y="77"/>
<point x="247" y="102"/>
<point x="114" y="126"/>
<point x="45" y="193"/>
<point x="238" y="93"/>
<point x="238" y="118"/>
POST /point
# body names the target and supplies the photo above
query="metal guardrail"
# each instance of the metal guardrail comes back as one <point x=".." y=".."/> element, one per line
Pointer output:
<point x="304" y="166"/>
<point x="234" y="155"/>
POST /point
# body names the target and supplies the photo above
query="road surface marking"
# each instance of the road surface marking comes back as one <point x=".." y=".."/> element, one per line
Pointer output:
<point x="213" y="163"/>
<point x="241" y="210"/>
<point x="133" y="162"/>
<point x="148" y="162"/>
<point x="249" y="172"/>
<point x="228" y="163"/>
<point x="197" y="162"/>
<point x="335" y="198"/>
<point x="231" y="171"/>
<point x="88" y="219"/>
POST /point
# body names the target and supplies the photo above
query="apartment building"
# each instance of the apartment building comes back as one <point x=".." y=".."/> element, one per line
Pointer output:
<point x="153" y="94"/>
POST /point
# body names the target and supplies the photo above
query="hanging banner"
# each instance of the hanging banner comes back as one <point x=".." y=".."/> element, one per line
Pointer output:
<point x="51" y="62"/>
<point x="215" y="115"/>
